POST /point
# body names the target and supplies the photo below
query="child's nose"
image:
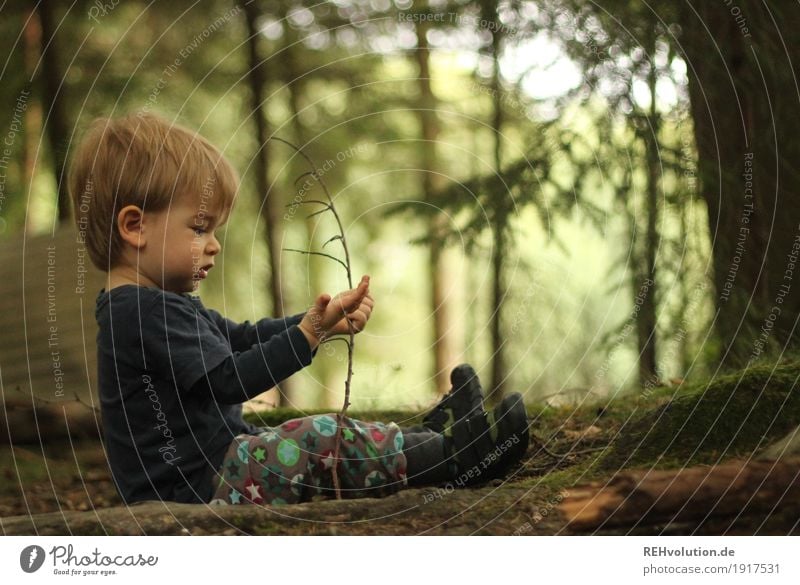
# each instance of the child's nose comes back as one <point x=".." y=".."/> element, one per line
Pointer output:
<point x="213" y="246"/>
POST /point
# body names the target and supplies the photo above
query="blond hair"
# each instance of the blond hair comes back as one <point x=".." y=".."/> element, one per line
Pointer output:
<point x="143" y="160"/>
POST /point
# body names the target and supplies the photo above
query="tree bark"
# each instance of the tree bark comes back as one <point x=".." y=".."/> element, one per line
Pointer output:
<point x="498" y="376"/>
<point x="269" y="202"/>
<point x="689" y="496"/>
<point x="32" y="43"/>
<point x="292" y="82"/>
<point x="683" y="345"/>
<point x="500" y="223"/>
<point x="56" y="121"/>
<point x="431" y="182"/>
<point x="744" y="99"/>
<point x="646" y="285"/>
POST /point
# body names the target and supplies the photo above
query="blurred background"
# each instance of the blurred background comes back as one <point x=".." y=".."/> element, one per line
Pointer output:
<point x="582" y="199"/>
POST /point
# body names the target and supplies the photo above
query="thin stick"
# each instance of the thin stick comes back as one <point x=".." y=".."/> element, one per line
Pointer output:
<point x="350" y="346"/>
<point x="306" y="202"/>
<point x="313" y="253"/>
<point x="76" y="398"/>
<point x="542" y="447"/>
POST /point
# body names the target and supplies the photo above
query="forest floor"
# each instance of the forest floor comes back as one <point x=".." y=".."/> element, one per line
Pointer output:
<point x="65" y="488"/>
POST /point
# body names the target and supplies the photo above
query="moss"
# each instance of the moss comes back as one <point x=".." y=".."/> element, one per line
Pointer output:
<point x="555" y="481"/>
<point x="267" y="529"/>
<point x="271" y="418"/>
<point x="733" y="415"/>
<point x="25" y="467"/>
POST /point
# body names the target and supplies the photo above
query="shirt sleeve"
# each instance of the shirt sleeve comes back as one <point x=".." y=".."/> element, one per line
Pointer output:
<point x="247" y="374"/>
<point x="244" y="335"/>
<point x="180" y="341"/>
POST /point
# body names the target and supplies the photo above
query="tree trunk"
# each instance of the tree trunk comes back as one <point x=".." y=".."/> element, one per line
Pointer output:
<point x="497" y="388"/>
<point x="270" y="204"/>
<point x="685" y="303"/>
<point x="499" y="227"/>
<point x="646" y="286"/>
<point x="431" y="182"/>
<point x="32" y="43"/>
<point x="292" y="82"/>
<point x="744" y="101"/>
<point x="56" y="124"/>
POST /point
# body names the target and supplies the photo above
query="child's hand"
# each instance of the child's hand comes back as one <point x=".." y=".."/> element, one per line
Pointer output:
<point x="329" y="316"/>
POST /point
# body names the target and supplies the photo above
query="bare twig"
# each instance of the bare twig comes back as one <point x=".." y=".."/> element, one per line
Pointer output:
<point x="313" y="253"/>
<point x="537" y="441"/>
<point x="587" y="450"/>
<point x="321" y="211"/>
<point x="312" y="174"/>
<point x="343" y="339"/>
<point x="306" y="202"/>
<point x="329" y="206"/>
<point x="77" y="398"/>
<point x="333" y="238"/>
<point x="80" y="401"/>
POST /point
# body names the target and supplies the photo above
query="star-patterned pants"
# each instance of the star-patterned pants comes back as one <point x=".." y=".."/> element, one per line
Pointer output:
<point x="293" y="462"/>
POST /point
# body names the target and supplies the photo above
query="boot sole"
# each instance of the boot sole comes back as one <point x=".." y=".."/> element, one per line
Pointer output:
<point x="511" y="421"/>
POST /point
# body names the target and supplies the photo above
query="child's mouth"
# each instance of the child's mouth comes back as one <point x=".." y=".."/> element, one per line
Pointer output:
<point x="203" y="272"/>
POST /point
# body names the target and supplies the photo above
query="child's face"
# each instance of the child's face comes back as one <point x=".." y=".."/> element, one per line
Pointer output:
<point x="181" y="245"/>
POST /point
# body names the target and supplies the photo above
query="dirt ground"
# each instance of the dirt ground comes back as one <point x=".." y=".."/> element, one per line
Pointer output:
<point x="63" y="480"/>
<point x="65" y="487"/>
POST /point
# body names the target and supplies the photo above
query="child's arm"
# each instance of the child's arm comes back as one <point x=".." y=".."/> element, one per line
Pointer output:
<point x="247" y="374"/>
<point x="243" y="336"/>
<point x="183" y="345"/>
<point x="325" y="319"/>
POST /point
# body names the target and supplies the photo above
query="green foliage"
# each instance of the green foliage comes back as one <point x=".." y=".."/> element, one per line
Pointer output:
<point x="352" y="68"/>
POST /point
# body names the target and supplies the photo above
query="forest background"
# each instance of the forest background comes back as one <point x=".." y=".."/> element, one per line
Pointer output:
<point x="582" y="199"/>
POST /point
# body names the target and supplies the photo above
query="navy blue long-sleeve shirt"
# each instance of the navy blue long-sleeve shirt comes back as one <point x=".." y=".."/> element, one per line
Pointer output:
<point x="172" y="376"/>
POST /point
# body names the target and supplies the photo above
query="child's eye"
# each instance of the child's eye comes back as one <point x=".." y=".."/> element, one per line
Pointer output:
<point x="199" y="231"/>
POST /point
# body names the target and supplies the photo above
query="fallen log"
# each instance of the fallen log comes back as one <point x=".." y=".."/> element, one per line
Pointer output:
<point x="688" y="497"/>
<point x="23" y="422"/>
<point x="489" y="510"/>
<point x="170" y="518"/>
<point x="788" y="446"/>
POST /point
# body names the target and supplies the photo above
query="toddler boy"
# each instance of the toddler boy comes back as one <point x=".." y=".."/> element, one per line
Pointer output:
<point x="172" y="374"/>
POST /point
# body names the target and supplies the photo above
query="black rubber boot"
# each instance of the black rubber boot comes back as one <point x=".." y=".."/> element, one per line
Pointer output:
<point x="465" y="399"/>
<point x="427" y="460"/>
<point x="485" y="445"/>
<point x="473" y="446"/>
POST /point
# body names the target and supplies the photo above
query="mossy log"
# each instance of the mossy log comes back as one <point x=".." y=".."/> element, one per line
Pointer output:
<point x="688" y="497"/>
<point x="732" y="416"/>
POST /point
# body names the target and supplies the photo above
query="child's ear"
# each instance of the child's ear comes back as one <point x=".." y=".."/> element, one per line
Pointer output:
<point x="130" y="226"/>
